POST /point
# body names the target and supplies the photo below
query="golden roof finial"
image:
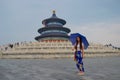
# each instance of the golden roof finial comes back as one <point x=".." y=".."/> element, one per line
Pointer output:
<point x="53" y="11"/>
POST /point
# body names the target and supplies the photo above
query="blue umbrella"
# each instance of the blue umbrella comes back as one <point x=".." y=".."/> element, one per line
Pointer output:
<point x="84" y="40"/>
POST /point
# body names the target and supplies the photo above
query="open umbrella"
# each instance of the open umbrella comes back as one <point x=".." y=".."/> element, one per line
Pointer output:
<point x="84" y="40"/>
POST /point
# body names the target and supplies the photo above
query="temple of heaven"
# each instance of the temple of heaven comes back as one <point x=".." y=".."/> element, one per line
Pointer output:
<point x="53" y="29"/>
<point x="53" y="42"/>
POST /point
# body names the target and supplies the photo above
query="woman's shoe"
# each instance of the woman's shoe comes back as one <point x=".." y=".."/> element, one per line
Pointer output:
<point x="81" y="73"/>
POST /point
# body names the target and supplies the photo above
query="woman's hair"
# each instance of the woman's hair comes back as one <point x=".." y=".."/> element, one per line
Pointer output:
<point x="78" y="44"/>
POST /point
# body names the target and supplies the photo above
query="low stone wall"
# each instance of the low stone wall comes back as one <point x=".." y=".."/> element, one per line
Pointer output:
<point x="102" y="54"/>
<point x="0" y="54"/>
<point x="54" y="55"/>
<point x="64" y="49"/>
<point x="36" y="56"/>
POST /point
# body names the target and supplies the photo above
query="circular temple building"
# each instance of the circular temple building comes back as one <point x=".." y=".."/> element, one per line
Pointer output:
<point x="53" y="29"/>
<point x="53" y="42"/>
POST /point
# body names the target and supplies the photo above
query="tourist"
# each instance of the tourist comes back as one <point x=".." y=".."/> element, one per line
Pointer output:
<point x="79" y="55"/>
<point x="80" y="43"/>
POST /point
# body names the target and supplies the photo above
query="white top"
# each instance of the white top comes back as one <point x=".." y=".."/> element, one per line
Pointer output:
<point x="78" y="47"/>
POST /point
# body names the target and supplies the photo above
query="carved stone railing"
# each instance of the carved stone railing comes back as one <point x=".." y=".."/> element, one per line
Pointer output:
<point x="55" y="50"/>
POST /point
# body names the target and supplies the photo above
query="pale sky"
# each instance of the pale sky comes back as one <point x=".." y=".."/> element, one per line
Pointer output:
<point x="98" y="20"/>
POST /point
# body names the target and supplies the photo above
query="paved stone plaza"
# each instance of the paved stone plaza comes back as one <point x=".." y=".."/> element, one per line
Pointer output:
<point x="107" y="68"/>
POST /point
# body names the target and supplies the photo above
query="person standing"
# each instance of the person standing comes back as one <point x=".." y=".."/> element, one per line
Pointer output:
<point x="79" y="55"/>
<point x="80" y="43"/>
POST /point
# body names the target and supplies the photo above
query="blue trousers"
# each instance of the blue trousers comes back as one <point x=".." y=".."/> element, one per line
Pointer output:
<point x="79" y="62"/>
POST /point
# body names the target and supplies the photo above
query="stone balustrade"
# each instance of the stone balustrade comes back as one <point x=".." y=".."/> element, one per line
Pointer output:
<point x="55" y="50"/>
